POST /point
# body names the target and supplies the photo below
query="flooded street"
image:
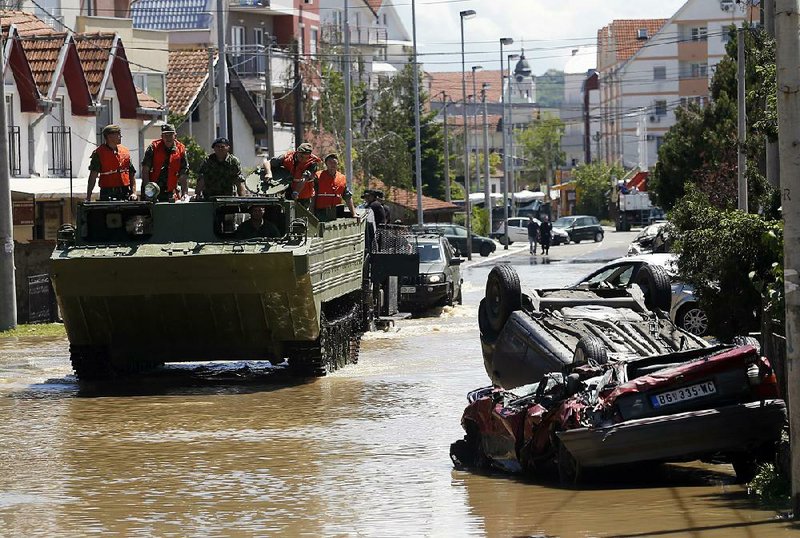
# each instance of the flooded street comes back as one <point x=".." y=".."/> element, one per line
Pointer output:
<point x="228" y="452"/>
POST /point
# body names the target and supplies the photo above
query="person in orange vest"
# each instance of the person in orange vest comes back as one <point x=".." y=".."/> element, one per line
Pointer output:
<point x="165" y="163"/>
<point x="301" y="165"/>
<point x="331" y="190"/>
<point x="111" y="162"/>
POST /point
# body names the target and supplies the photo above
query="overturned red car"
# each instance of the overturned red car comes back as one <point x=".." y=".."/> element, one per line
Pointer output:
<point x="719" y="403"/>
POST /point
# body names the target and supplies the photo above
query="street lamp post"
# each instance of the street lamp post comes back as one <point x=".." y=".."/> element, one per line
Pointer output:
<point x="511" y="132"/>
<point x="466" y="14"/>
<point x="475" y="128"/>
<point x="348" y="104"/>
<point x="417" y="149"/>
<point x="446" y="149"/>
<point x="486" y="190"/>
<point x="504" y="41"/>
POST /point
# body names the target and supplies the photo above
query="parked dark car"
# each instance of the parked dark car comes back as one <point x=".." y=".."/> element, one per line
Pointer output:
<point x="457" y="235"/>
<point x="685" y="308"/>
<point x="581" y="228"/>
<point x="439" y="279"/>
<point x="719" y="404"/>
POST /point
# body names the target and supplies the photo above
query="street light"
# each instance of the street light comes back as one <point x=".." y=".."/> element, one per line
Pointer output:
<point x="447" y="102"/>
<point x="464" y="15"/>
<point x="504" y="41"/>
<point x="511" y="129"/>
<point x="486" y="190"/>
<point x="475" y="124"/>
<point x="417" y="149"/>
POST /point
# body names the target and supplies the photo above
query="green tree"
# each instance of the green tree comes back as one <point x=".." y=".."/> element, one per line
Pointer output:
<point x="593" y="184"/>
<point x="550" y="88"/>
<point x="330" y="109"/>
<point x="195" y="154"/>
<point x="542" y="144"/>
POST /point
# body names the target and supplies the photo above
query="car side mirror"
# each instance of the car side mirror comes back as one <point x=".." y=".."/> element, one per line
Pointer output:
<point x="456" y="261"/>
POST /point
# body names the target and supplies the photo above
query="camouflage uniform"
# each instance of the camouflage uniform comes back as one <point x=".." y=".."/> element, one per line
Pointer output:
<point x="221" y="178"/>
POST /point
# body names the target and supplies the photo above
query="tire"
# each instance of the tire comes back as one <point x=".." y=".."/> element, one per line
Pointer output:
<point x="590" y="349"/>
<point x="598" y="237"/>
<point x="486" y="249"/>
<point x="485" y="328"/>
<point x="503" y="295"/>
<point x="693" y="319"/>
<point x="655" y="284"/>
<point x="458" y="299"/>
<point x="502" y="240"/>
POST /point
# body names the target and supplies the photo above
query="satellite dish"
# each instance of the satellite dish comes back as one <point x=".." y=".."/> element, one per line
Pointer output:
<point x="151" y="191"/>
<point x="253" y="182"/>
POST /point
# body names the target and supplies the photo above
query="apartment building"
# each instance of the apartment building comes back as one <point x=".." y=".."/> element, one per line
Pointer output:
<point x="649" y="67"/>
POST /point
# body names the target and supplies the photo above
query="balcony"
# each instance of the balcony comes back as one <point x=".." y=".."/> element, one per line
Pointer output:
<point x="249" y="62"/>
<point x="233" y="4"/>
<point x="359" y="35"/>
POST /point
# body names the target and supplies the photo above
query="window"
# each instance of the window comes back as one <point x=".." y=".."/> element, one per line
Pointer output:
<point x="700" y="33"/>
<point x="313" y="42"/>
<point x="384" y="19"/>
<point x="659" y="142"/>
<point x="105" y="116"/>
<point x="150" y="83"/>
<point x="725" y="31"/>
<point x="660" y="108"/>
<point x="659" y="72"/>
<point x="699" y="70"/>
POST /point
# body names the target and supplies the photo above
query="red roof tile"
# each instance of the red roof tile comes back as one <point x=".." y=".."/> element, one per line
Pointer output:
<point x="27" y="23"/>
<point x="408" y="199"/>
<point x="621" y="37"/>
<point x="94" y="51"/>
<point x="450" y="83"/>
<point x="42" y="53"/>
<point x="187" y="71"/>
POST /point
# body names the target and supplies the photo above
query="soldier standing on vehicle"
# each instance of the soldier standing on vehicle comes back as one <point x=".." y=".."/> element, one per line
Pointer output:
<point x="302" y="166"/>
<point x="221" y="173"/>
<point x="533" y="235"/>
<point x="545" y="234"/>
<point x="111" y="162"/>
<point x="371" y="197"/>
<point x="165" y="163"/>
<point x="387" y="216"/>
<point x="331" y="190"/>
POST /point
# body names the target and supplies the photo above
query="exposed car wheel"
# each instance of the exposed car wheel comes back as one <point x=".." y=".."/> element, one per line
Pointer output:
<point x="503" y="295"/>
<point x="575" y="240"/>
<point x="502" y="240"/>
<point x="590" y="349"/>
<point x="485" y="328"/>
<point x="693" y="319"/>
<point x="598" y="236"/>
<point x="655" y="284"/>
<point x="486" y="249"/>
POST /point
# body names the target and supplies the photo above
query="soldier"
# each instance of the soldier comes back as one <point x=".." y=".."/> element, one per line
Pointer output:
<point x="221" y="172"/>
<point x="165" y="163"/>
<point x="371" y="196"/>
<point x="256" y="226"/>
<point x="301" y="165"/>
<point x="111" y="162"/>
<point x="387" y="217"/>
<point x="331" y="190"/>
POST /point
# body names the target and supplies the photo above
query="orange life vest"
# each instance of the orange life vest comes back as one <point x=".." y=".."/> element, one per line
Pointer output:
<point x="159" y="154"/>
<point x="115" y="166"/>
<point x="331" y="189"/>
<point x="296" y="170"/>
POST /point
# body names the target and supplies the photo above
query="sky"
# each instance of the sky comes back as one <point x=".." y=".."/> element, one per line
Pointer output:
<point x="547" y="30"/>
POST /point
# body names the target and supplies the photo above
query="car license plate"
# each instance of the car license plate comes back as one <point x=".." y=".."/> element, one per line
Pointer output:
<point x="691" y="392"/>
<point x="408" y="289"/>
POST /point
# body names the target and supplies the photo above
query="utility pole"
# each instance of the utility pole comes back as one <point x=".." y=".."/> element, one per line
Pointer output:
<point x="222" y="71"/>
<point x="417" y="135"/>
<point x="8" y="291"/>
<point x="268" y="98"/>
<point x="211" y="97"/>
<point x="298" y="97"/>
<point x="773" y="159"/>
<point x="486" y="190"/>
<point x="788" y="71"/>
<point x="348" y="104"/>
<point x="447" y="195"/>
<point x="741" y="159"/>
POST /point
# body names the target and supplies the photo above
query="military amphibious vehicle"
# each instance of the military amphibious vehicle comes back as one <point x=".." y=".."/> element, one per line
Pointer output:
<point x="142" y="283"/>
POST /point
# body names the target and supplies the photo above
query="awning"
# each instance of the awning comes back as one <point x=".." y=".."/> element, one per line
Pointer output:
<point x="57" y="188"/>
<point x="383" y="67"/>
<point x="528" y="196"/>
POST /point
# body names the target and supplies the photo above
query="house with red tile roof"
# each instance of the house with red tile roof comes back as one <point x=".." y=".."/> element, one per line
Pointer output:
<point x="649" y="67"/>
<point x="402" y="205"/>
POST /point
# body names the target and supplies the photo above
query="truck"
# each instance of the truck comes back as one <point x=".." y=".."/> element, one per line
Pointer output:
<point x="633" y="209"/>
<point x="140" y="283"/>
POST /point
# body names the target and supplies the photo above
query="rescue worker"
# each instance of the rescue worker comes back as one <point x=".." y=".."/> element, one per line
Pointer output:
<point x="256" y="226"/>
<point x="165" y="163"/>
<point x="301" y="165"/>
<point x="533" y="234"/>
<point x="545" y="234"/>
<point x="387" y="217"/>
<point x="111" y="162"/>
<point x="221" y="173"/>
<point x="331" y="190"/>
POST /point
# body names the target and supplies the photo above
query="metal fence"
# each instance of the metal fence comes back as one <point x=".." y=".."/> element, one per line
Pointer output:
<point x="60" y="151"/>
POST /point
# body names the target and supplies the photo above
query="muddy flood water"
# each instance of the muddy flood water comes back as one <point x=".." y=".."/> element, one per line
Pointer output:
<point x="240" y="451"/>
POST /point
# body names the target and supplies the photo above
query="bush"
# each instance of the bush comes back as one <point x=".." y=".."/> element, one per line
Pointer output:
<point x="728" y="256"/>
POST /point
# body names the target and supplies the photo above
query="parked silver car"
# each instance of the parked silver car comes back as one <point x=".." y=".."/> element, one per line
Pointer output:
<point x="685" y="310"/>
<point x="518" y="231"/>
